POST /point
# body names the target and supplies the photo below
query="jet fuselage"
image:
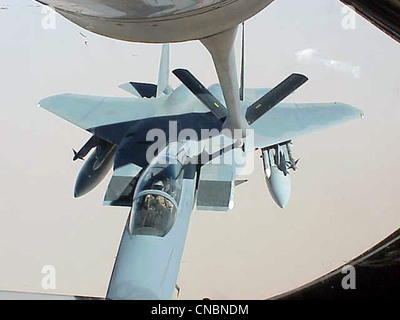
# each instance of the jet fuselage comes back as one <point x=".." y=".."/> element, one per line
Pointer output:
<point x="152" y="245"/>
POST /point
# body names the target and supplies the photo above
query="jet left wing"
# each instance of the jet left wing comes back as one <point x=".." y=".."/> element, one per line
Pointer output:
<point x="286" y="122"/>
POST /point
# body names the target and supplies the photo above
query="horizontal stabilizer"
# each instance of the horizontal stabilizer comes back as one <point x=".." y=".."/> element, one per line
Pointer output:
<point x="202" y="93"/>
<point x="240" y="182"/>
<point x="130" y="89"/>
<point x="275" y="96"/>
<point x="140" y="90"/>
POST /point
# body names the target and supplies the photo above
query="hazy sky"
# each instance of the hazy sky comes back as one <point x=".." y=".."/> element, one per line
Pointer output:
<point x="344" y="197"/>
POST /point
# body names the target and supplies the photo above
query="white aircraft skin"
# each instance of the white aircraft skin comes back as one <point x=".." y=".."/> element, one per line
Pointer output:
<point x="161" y="21"/>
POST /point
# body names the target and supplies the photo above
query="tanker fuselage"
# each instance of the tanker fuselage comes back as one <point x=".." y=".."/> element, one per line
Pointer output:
<point x="158" y="21"/>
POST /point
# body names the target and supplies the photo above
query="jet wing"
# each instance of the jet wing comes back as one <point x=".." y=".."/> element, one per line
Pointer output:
<point x="91" y="112"/>
<point x="289" y="121"/>
<point x="283" y="123"/>
<point x="88" y="112"/>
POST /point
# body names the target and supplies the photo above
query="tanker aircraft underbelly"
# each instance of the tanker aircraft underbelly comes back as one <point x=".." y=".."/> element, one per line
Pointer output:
<point x="158" y="21"/>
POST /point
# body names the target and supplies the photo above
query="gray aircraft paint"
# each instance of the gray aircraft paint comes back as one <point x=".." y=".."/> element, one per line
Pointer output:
<point x="91" y="113"/>
<point x="285" y="122"/>
<point x="147" y="266"/>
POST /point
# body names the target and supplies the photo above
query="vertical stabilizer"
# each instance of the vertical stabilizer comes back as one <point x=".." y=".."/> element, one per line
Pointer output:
<point x="163" y="75"/>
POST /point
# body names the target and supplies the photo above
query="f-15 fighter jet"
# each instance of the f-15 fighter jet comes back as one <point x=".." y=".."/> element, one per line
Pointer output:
<point x="165" y="166"/>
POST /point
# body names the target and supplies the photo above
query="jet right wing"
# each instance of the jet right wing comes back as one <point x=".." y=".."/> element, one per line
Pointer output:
<point x="92" y="112"/>
<point x="89" y="112"/>
<point x="286" y="122"/>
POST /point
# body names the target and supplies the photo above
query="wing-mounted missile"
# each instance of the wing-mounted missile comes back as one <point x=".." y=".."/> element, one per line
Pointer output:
<point x="96" y="166"/>
<point x="83" y="152"/>
<point x="278" y="160"/>
<point x="292" y="161"/>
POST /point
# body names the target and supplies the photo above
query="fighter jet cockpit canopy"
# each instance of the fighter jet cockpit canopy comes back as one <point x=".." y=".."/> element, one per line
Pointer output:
<point x="157" y="197"/>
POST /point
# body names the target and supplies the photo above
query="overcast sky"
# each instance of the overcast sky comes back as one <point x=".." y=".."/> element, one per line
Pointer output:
<point x="344" y="197"/>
